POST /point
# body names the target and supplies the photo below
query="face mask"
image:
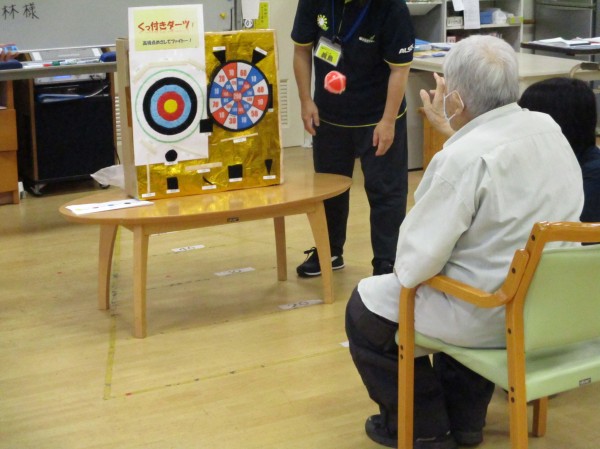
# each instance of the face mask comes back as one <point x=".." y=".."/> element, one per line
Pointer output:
<point x="457" y="99"/>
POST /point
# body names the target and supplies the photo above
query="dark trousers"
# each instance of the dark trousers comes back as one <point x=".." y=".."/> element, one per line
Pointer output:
<point x="448" y="396"/>
<point x="335" y="149"/>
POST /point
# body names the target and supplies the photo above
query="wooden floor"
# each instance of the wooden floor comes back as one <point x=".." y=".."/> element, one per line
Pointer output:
<point x="224" y="365"/>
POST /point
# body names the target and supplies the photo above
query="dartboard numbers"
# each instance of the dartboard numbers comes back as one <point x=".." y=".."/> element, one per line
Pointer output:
<point x="239" y="96"/>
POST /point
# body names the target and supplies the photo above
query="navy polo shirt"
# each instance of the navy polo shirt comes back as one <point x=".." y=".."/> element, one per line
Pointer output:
<point x="384" y="36"/>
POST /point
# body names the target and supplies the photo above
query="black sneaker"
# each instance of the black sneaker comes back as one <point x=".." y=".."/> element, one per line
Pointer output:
<point x="311" y="266"/>
<point x="378" y="432"/>
<point x="468" y="438"/>
<point x="444" y="442"/>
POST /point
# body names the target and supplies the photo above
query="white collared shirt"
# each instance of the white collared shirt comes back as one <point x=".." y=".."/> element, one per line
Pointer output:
<point x="476" y="204"/>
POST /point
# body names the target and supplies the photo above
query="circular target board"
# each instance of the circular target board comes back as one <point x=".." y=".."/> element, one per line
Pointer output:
<point x="167" y="105"/>
<point x="238" y="96"/>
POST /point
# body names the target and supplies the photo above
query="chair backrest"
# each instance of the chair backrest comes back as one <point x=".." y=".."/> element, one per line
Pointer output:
<point x="562" y="304"/>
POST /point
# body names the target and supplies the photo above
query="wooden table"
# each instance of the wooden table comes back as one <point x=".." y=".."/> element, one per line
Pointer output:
<point x="302" y="193"/>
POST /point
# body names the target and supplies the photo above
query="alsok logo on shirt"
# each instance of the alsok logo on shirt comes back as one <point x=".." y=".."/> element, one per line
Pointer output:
<point x="406" y="50"/>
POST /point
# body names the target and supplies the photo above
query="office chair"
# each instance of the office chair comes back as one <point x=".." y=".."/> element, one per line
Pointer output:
<point x="552" y="300"/>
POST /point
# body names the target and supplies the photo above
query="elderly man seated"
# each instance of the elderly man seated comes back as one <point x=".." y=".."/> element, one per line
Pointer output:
<point x="504" y="169"/>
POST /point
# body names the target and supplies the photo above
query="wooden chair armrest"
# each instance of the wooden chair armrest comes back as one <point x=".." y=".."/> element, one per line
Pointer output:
<point x="461" y="290"/>
<point x="479" y="297"/>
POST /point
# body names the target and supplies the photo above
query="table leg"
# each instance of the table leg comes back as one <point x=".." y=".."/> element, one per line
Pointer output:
<point x="280" y="249"/>
<point x="140" y="266"/>
<point x="318" y="224"/>
<point x="108" y="234"/>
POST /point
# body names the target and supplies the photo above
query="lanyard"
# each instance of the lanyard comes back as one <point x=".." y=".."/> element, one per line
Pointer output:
<point x="359" y="20"/>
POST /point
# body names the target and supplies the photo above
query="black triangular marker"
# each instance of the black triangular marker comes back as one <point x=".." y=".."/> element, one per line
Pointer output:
<point x="220" y="54"/>
<point x="268" y="164"/>
<point x="258" y="55"/>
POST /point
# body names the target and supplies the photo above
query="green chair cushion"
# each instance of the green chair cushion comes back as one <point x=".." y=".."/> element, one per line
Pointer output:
<point x="548" y="371"/>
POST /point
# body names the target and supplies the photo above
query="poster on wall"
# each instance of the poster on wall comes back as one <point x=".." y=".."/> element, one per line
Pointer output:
<point x="204" y="105"/>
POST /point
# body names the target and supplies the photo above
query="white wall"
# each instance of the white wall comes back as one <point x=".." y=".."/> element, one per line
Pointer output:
<point x="281" y="20"/>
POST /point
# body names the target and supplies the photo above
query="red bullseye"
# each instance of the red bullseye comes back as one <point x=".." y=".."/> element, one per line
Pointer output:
<point x="335" y="82"/>
<point x="170" y="106"/>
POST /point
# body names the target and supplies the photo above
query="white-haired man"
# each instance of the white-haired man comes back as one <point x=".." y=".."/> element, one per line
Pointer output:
<point x="504" y="169"/>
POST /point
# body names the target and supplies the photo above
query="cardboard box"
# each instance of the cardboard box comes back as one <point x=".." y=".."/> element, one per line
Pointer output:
<point x="454" y="21"/>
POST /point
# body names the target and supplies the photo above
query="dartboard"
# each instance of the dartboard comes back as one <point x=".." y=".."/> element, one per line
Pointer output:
<point x="238" y="96"/>
<point x="167" y="103"/>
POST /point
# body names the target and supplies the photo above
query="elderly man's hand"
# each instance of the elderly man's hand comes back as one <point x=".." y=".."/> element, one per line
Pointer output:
<point x="433" y="106"/>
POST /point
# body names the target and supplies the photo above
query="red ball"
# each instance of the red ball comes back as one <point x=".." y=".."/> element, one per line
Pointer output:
<point x="335" y="82"/>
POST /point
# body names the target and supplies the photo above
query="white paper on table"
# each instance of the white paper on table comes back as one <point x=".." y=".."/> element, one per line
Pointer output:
<point x="458" y="5"/>
<point x="564" y="42"/>
<point x="80" y="209"/>
<point x="250" y="9"/>
<point x="471" y="14"/>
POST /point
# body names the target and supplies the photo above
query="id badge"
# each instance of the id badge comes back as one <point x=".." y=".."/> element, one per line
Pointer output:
<point x="328" y="51"/>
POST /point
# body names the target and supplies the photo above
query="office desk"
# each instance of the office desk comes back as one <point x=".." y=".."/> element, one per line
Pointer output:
<point x="532" y="68"/>
<point x="71" y="69"/>
<point x="302" y="193"/>
<point x="574" y="50"/>
<point x="50" y="134"/>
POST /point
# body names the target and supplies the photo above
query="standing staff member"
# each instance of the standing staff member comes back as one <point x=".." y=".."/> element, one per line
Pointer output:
<point x="362" y="50"/>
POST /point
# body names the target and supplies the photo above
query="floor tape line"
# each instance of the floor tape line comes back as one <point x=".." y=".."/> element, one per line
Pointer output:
<point x="229" y="373"/>
<point x="112" y="334"/>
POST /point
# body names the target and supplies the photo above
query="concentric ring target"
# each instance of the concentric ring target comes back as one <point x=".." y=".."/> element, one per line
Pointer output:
<point x="168" y="105"/>
<point x="239" y="96"/>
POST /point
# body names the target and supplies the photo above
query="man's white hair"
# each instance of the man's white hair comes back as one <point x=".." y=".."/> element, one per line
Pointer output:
<point x="484" y="71"/>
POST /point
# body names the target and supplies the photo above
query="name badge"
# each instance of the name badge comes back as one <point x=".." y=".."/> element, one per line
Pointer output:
<point x="328" y="51"/>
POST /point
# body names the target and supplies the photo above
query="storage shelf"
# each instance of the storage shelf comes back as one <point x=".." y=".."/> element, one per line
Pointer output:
<point x="492" y="25"/>
<point x="421" y="8"/>
<point x="430" y="21"/>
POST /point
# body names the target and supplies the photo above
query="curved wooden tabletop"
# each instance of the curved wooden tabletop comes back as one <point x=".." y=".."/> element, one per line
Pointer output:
<point x="297" y="190"/>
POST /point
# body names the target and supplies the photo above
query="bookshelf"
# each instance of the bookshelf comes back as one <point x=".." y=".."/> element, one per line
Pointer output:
<point x="437" y="21"/>
<point x="430" y="24"/>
